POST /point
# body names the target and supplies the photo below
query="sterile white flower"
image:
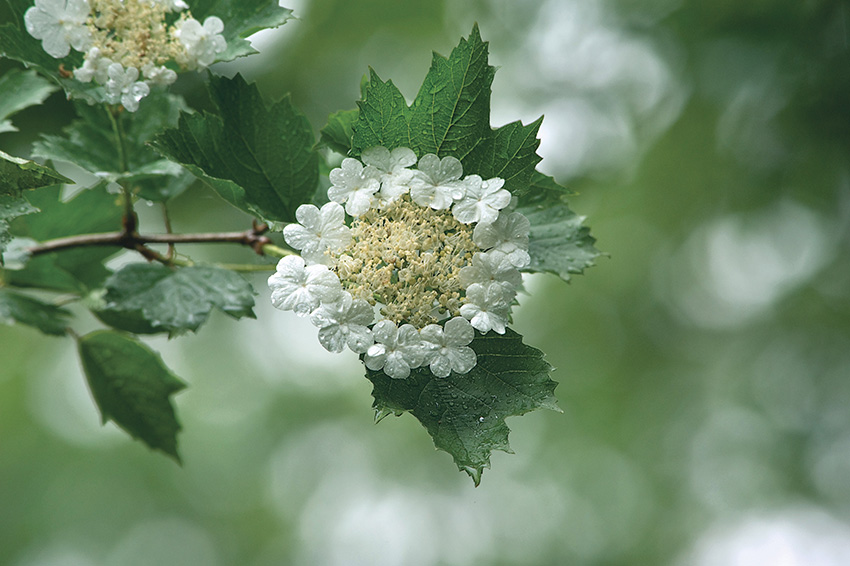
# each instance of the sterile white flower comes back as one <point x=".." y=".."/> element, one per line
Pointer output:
<point x="354" y="185"/>
<point x="60" y="25"/>
<point x="447" y="349"/>
<point x="488" y="307"/>
<point x="490" y="267"/>
<point x="122" y="87"/>
<point x="395" y="175"/>
<point x="344" y="323"/>
<point x="158" y="75"/>
<point x="483" y="200"/>
<point x="202" y="43"/>
<point x="508" y="234"/>
<point x="396" y="350"/>
<point x="437" y="182"/>
<point x="318" y="231"/>
<point x="301" y="288"/>
<point x="95" y="66"/>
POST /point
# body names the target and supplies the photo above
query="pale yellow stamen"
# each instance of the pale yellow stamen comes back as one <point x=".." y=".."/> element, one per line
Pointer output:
<point x="407" y="258"/>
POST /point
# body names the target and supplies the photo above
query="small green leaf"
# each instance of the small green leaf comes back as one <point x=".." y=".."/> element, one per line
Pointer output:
<point x="19" y="90"/>
<point x="339" y="130"/>
<point x="18" y="175"/>
<point x="382" y="117"/>
<point x="241" y="18"/>
<point x="147" y="298"/>
<point x="465" y="414"/>
<point x="73" y="270"/>
<point x="544" y="189"/>
<point x="15" y="307"/>
<point x="10" y="208"/>
<point x="558" y="243"/>
<point x="132" y="387"/>
<point x="259" y="158"/>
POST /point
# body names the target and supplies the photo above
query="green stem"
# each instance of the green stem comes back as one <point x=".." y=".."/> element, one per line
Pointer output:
<point x="271" y="249"/>
<point x="120" y="142"/>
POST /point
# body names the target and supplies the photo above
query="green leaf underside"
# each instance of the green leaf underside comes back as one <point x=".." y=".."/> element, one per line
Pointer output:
<point x="147" y="298"/>
<point x="132" y="387"/>
<point x="74" y="270"/>
<point x="47" y="318"/>
<point x="450" y="116"/>
<point x="465" y="414"/>
<point x="19" y="90"/>
<point x="258" y="158"/>
<point x="558" y="243"/>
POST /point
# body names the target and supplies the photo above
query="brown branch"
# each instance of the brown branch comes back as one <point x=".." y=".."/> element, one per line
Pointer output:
<point x="253" y="238"/>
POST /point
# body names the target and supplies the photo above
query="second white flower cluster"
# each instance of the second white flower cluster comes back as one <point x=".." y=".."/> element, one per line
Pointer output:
<point x="127" y="43"/>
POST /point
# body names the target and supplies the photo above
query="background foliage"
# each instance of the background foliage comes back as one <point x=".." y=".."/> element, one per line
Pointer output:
<point x="703" y="369"/>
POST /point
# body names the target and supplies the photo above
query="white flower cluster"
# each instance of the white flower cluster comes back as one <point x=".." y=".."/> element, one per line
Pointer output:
<point x="426" y="258"/>
<point x="128" y="44"/>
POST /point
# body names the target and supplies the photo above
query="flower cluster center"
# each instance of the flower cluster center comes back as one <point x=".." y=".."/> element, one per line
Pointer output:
<point x="406" y="258"/>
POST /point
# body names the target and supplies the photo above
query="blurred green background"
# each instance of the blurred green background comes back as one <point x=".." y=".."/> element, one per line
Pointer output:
<point x="704" y="366"/>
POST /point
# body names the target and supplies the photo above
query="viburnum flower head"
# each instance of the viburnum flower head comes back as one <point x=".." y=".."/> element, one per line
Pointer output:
<point x="139" y="36"/>
<point x="406" y="262"/>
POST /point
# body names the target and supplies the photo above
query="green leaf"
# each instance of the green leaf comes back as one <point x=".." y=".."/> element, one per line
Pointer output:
<point x="450" y="116"/>
<point x="74" y="270"/>
<point x="91" y="143"/>
<point x="19" y="90"/>
<point x="259" y="158"/>
<point x="15" y="307"/>
<point x="382" y="118"/>
<point x="558" y="243"/>
<point x="339" y="130"/>
<point x="132" y="387"/>
<point x="241" y="18"/>
<point x="160" y="188"/>
<point x="465" y="414"/>
<point x="147" y="298"/>
<point x="18" y="175"/>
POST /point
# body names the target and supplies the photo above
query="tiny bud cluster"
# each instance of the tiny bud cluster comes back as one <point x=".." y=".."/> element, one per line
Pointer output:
<point x="404" y="265"/>
<point x="128" y="45"/>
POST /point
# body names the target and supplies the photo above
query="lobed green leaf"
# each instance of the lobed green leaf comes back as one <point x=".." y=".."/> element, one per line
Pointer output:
<point x="147" y="298"/>
<point x="558" y="242"/>
<point x="132" y="387"/>
<point x="465" y="414"/>
<point x="450" y="116"/>
<point x="259" y="158"/>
